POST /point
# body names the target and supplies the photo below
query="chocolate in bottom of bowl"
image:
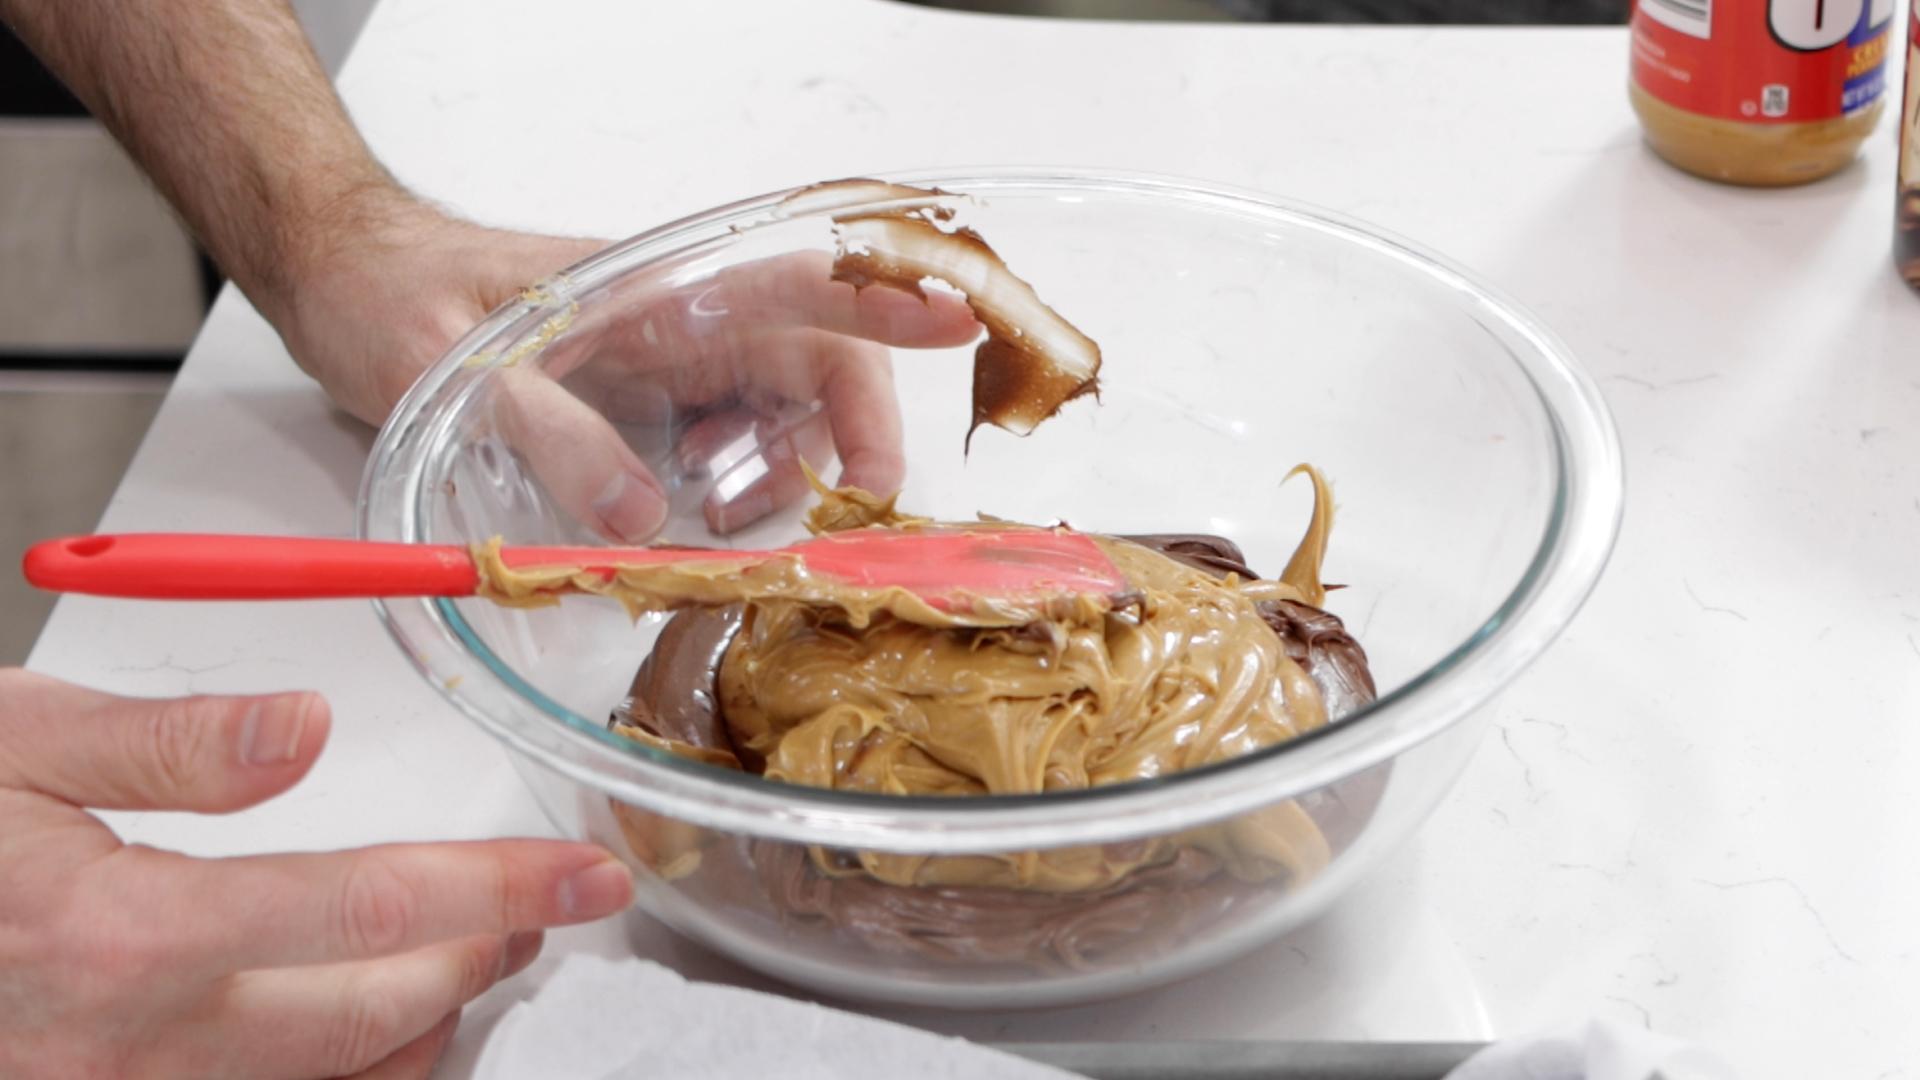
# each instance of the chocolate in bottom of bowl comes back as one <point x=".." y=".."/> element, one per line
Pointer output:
<point x="981" y="928"/>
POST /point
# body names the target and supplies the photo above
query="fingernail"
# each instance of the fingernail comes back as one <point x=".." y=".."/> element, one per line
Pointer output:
<point x="270" y="732"/>
<point x="600" y="889"/>
<point x="631" y="508"/>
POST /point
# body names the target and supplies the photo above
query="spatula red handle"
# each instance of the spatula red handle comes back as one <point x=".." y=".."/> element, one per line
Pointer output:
<point x="206" y="566"/>
<point x="194" y="566"/>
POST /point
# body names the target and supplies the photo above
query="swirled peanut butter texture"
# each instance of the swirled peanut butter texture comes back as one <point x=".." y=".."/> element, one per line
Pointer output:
<point x="1199" y="668"/>
<point x="1213" y="662"/>
<point x="1189" y="676"/>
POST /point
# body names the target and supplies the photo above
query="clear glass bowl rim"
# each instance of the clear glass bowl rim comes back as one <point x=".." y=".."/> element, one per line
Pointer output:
<point x="1583" y="522"/>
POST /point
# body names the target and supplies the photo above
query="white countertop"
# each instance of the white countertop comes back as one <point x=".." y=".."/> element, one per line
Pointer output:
<point x="1699" y="810"/>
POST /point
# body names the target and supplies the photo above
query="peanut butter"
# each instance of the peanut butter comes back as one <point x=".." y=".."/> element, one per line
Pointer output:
<point x="1182" y="887"/>
<point x="1758" y="155"/>
<point x="1188" y="674"/>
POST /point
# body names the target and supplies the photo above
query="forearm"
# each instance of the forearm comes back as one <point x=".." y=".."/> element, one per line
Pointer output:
<point x="225" y="105"/>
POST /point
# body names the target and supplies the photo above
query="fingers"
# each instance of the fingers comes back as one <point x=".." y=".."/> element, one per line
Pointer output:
<point x="798" y="290"/>
<point x="268" y="911"/>
<point x="853" y="379"/>
<point x="523" y="948"/>
<point x="863" y="411"/>
<point x="779" y="328"/>
<point x="581" y="460"/>
<point x="754" y="460"/>
<point x="341" y="1019"/>
<point x="753" y="455"/>
<point x="207" y="754"/>
<point x="690" y="336"/>
<point x="416" y="1059"/>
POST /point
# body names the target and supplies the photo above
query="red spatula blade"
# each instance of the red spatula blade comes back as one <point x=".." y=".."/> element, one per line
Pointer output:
<point x="944" y="565"/>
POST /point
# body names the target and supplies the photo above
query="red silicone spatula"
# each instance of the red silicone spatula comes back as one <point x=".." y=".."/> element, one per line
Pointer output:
<point x="945" y="567"/>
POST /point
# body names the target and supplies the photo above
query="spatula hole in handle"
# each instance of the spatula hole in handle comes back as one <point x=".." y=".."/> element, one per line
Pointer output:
<point x="89" y="546"/>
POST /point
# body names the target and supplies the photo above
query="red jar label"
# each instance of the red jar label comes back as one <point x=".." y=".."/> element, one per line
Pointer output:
<point x="1762" y="61"/>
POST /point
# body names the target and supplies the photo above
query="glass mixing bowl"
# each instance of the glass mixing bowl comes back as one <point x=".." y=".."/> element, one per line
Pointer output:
<point x="1477" y="471"/>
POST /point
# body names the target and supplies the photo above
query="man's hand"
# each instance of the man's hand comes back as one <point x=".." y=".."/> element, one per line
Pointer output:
<point x="369" y="300"/>
<point x="366" y="304"/>
<point x="125" y="961"/>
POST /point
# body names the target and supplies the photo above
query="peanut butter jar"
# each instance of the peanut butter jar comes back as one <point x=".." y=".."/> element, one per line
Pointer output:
<point x="1759" y="92"/>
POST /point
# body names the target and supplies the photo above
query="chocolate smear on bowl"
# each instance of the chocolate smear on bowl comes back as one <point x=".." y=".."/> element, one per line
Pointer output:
<point x="1032" y="361"/>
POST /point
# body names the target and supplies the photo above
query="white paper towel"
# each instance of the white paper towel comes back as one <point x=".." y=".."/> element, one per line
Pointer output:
<point x="600" y="1019"/>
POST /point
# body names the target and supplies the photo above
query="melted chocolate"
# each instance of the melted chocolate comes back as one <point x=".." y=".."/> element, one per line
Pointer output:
<point x="1316" y="639"/>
